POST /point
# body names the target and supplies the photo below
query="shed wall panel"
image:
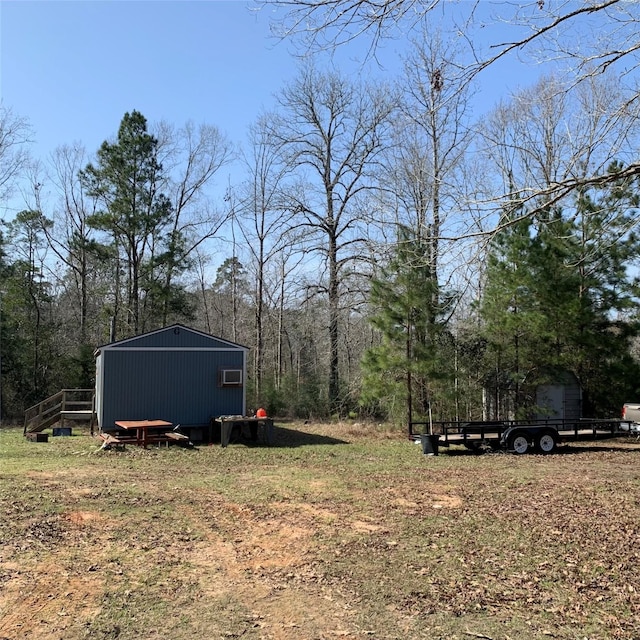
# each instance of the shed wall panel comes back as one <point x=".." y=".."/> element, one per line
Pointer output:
<point x="179" y="386"/>
<point x="99" y="387"/>
<point x="559" y="401"/>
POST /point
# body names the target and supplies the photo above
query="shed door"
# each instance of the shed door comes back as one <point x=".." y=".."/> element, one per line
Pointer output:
<point x="550" y="401"/>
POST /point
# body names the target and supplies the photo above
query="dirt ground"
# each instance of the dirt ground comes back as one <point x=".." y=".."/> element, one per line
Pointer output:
<point x="255" y="564"/>
<point x="265" y="571"/>
<point x="230" y="569"/>
<point x="44" y="600"/>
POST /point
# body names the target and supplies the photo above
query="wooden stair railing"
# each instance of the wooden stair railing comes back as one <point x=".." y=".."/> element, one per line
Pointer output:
<point x="72" y="404"/>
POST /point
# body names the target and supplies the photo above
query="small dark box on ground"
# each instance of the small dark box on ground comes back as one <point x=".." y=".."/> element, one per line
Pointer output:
<point x="38" y="437"/>
<point x="62" y="431"/>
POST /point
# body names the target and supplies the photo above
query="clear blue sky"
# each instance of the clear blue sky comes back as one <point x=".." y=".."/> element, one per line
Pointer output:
<point x="73" y="68"/>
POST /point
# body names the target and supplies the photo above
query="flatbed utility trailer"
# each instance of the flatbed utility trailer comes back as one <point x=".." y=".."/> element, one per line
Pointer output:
<point x="522" y="436"/>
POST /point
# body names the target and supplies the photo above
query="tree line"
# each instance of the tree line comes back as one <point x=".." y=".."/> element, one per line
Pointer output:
<point x="386" y="251"/>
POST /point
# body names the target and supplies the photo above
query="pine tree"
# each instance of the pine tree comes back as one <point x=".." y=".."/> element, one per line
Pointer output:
<point x="556" y="286"/>
<point x="28" y="330"/>
<point x="409" y="313"/>
<point x="127" y="181"/>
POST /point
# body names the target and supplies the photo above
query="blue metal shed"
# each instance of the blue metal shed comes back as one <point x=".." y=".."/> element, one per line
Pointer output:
<point x="177" y="374"/>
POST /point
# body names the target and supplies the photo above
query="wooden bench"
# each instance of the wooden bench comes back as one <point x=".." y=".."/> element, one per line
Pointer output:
<point x="167" y="438"/>
<point x="171" y="436"/>
<point x="159" y="438"/>
<point x="118" y="440"/>
<point x="109" y="440"/>
<point x="177" y="437"/>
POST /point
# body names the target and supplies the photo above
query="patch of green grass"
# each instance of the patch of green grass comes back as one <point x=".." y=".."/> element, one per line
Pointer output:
<point x="336" y="530"/>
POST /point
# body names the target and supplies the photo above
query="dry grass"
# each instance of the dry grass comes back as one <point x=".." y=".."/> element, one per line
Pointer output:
<point x="337" y="531"/>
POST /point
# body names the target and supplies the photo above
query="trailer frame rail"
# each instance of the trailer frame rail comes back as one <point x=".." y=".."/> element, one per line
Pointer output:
<point x="521" y="436"/>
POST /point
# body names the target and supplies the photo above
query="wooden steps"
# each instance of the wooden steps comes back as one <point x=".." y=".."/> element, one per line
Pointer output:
<point x="68" y="404"/>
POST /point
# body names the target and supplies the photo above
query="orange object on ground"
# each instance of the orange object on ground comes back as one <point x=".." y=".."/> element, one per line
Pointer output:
<point x="261" y="413"/>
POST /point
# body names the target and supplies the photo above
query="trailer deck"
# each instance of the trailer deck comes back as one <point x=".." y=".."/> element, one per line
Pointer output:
<point x="521" y="436"/>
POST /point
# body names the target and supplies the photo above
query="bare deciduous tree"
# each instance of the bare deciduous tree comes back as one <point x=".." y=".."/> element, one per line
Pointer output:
<point x="546" y="142"/>
<point x="432" y="138"/>
<point x="330" y="23"/>
<point x="584" y="40"/>
<point x="595" y="35"/>
<point x="333" y="132"/>
<point x="265" y="226"/>
<point x="192" y="157"/>
<point x="14" y="136"/>
<point x="71" y="236"/>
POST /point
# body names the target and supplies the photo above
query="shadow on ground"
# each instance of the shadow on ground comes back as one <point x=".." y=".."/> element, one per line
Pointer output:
<point x="291" y="438"/>
<point x="569" y="448"/>
<point x="572" y="447"/>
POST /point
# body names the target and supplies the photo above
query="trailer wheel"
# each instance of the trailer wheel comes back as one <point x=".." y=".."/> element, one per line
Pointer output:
<point x="518" y="443"/>
<point x="546" y="442"/>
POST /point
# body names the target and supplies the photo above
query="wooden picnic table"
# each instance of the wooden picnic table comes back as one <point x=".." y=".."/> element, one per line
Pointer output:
<point x="146" y="431"/>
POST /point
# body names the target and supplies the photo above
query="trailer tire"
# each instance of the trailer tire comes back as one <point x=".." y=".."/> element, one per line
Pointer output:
<point x="546" y="442"/>
<point x="518" y="443"/>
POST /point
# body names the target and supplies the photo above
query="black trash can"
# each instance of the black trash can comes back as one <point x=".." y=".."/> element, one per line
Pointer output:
<point x="430" y="443"/>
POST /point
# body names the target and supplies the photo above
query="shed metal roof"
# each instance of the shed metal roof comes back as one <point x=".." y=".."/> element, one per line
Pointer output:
<point x="175" y="337"/>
